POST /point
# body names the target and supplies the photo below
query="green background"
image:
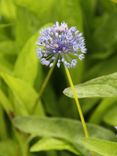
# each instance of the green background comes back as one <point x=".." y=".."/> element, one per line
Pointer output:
<point x="54" y="126"/>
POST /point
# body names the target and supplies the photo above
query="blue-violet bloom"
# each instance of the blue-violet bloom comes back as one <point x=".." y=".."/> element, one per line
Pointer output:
<point x="61" y="44"/>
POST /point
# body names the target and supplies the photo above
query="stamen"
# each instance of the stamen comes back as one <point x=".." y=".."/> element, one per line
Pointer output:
<point x="61" y="42"/>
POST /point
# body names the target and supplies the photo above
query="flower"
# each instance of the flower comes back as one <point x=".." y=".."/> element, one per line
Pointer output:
<point x="61" y="44"/>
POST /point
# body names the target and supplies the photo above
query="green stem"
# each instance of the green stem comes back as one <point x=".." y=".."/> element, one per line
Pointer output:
<point x="23" y="143"/>
<point x="77" y="103"/>
<point x="46" y="80"/>
<point x="44" y="85"/>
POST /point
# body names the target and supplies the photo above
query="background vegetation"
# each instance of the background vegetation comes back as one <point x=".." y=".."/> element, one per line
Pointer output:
<point x="53" y="128"/>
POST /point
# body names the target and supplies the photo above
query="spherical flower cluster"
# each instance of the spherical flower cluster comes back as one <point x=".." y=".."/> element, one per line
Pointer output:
<point x="60" y="44"/>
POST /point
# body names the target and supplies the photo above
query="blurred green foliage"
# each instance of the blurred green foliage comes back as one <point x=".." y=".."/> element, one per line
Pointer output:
<point x="54" y="126"/>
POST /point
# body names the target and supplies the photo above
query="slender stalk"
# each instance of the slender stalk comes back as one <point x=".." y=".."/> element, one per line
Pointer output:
<point x="46" y="81"/>
<point x="77" y="103"/>
<point x="44" y="86"/>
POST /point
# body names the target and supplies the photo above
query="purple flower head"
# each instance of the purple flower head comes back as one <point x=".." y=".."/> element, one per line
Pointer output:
<point x="61" y="44"/>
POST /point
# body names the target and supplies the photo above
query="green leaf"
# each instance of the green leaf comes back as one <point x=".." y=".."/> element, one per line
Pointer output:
<point x="63" y="128"/>
<point x="8" y="148"/>
<point x="66" y="129"/>
<point x="23" y="92"/>
<point x="115" y="1"/>
<point x="46" y="144"/>
<point x="11" y="48"/>
<point x="111" y="116"/>
<point x="102" y="109"/>
<point x="104" y="86"/>
<point x="25" y="26"/>
<point x="27" y="65"/>
<point x="4" y="101"/>
<point x="88" y="8"/>
<point x="66" y="7"/>
<point x="41" y="8"/>
<point x="99" y="68"/>
<point x="4" y="25"/>
<point x="103" y="41"/>
<point x="3" y="128"/>
<point x="7" y="9"/>
<point x="103" y="147"/>
<point x="5" y="65"/>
